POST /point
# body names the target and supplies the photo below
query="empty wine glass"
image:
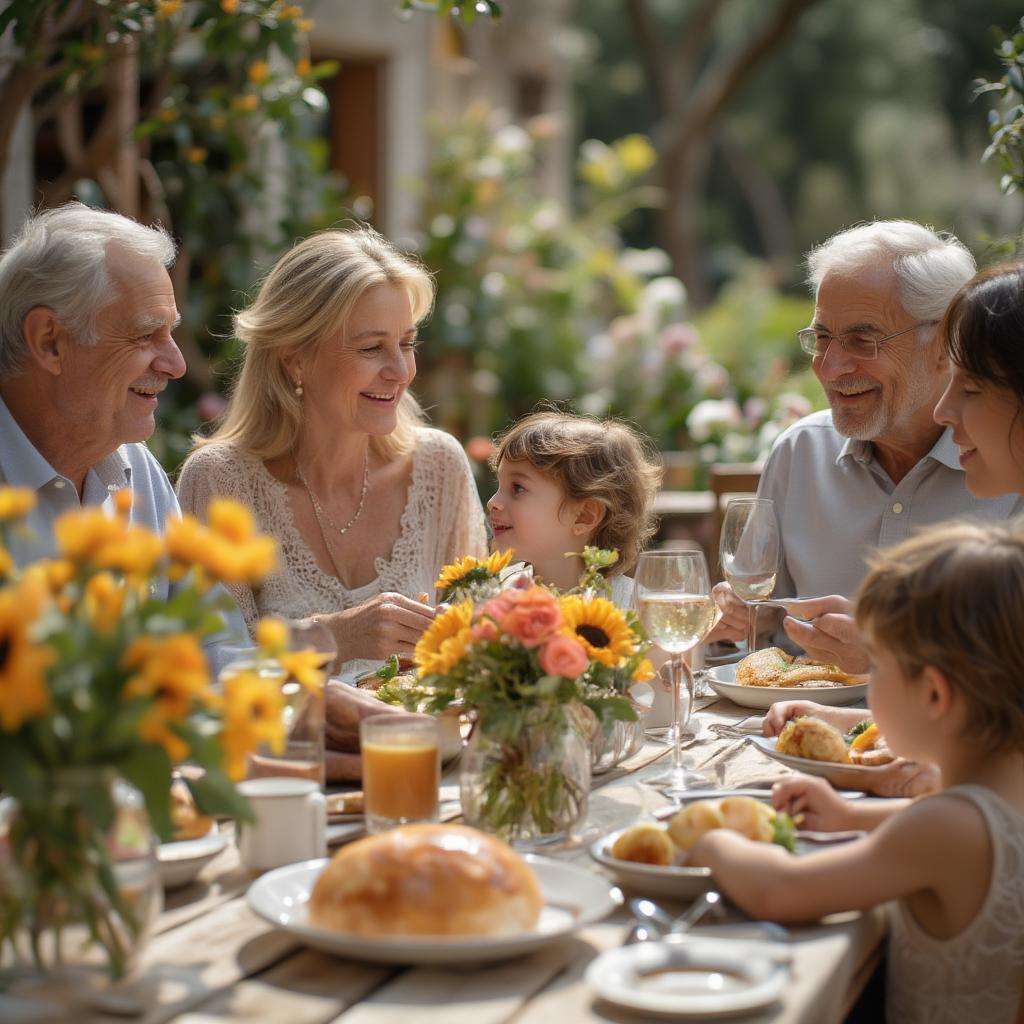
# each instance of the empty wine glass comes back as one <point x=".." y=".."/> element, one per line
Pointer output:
<point x="749" y="553"/>
<point x="672" y="591"/>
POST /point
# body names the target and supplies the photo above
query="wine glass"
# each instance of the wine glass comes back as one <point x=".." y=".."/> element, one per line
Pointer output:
<point x="749" y="553"/>
<point x="672" y="591"/>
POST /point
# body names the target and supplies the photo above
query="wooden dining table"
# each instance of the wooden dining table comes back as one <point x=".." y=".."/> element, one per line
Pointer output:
<point x="212" y="959"/>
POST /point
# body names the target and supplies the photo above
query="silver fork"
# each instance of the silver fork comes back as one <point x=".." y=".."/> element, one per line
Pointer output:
<point x="786" y="606"/>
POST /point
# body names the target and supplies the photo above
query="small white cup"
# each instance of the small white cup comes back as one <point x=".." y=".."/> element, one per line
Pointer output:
<point x="656" y="696"/>
<point x="290" y="825"/>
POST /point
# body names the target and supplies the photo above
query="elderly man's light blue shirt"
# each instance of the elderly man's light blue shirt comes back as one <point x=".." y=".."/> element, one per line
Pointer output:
<point x="835" y="504"/>
<point x="131" y="465"/>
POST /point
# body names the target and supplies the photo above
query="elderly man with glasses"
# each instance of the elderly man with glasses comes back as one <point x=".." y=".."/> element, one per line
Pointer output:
<point x="875" y="466"/>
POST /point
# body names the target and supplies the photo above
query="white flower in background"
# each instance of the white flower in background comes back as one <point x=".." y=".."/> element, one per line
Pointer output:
<point x="754" y="410"/>
<point x="548" y="217"/>
<point x="512" y="140"/>
<point x="736" y="447"/>
<point x="595" y="403"/>
<point x="712" y="415"/>
<point x="599" y="347"/>
<point x="456" y="314"/>
<point x="645" y="262"/>
<point x="490" y="167"/>
<point x="712" y="378"/>
<point x="484" y="382"/>
<point x="493" y="284"/>
<point x="663" y="299"/>
<point x="789" y="406"/>
<point x="442" y="226"/>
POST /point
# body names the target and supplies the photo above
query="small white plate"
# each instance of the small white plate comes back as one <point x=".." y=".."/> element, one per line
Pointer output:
<point x="573" y="897"/>
<point x="181" y="862"/>
<point x="723" y="681"/>
<point x="695" y="977"/>
<point x="676" y="882"/>
<point x="846" y="776"/>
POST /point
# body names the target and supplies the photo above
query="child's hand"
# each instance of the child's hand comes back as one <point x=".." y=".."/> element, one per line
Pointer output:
<point x="823" y="810"/>
<point x="844" y="719"/>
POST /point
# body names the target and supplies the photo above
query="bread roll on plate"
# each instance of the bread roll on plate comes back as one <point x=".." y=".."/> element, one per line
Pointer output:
<point x="427" y="880"/>
<point x="188" y="822"/>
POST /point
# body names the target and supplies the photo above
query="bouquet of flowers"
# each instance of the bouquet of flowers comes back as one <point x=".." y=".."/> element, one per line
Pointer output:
<point x="532" y="663"/>
<point x="104" y="681"/>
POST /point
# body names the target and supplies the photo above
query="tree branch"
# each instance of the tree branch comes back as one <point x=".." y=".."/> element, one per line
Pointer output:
<point x="652" y="54"/>
<point x="723" y="81"/>
<point x="695" y="33"/>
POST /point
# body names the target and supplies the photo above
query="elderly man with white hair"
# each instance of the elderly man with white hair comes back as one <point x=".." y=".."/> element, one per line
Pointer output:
<point x="87" y="312"/>
<point x="875" y="466"/>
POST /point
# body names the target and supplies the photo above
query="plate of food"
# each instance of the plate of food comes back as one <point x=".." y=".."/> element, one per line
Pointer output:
<point x="765" y="677"/>
<point x="701" y="978"/>
<point x="650" y="857"/>
<point x="431" y="894"/>
<point x="850" y="761"/>
<point x="197" y="840"/>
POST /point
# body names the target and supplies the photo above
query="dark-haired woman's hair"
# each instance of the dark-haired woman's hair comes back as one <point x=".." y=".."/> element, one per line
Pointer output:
<point x="983" y="328"/>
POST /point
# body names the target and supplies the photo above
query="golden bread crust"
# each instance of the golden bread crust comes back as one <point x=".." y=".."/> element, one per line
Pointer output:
<point x="776" y="667"/>
<point x="427" y="880"/>
<point x="813" y="739"/>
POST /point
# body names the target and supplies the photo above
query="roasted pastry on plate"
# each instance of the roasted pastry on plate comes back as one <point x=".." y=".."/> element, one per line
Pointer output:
<point x="775" y="667"/>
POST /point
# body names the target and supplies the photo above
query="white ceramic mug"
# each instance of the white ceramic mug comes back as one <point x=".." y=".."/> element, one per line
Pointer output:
<point x="656" y="696"/>
<point x="290" y="825"/>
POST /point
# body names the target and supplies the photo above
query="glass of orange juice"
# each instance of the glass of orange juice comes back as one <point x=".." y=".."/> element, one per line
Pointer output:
<point x="401" y="769"/>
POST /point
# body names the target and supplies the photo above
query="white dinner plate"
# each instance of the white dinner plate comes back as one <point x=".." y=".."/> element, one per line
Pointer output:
<point x="722" y="680"/>
<point x="846" y="776"/>
<point x="693" y="978"/>
<point x="180" y="862"/>
<point x="573" y="897"/>
<point x="675" y="882"/>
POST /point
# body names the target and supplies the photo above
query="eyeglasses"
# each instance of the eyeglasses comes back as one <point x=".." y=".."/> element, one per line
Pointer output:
<point x="816" y="343"/>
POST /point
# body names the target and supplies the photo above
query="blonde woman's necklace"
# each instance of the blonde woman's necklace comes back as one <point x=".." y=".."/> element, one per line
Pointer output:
<point x="321" y="513"/>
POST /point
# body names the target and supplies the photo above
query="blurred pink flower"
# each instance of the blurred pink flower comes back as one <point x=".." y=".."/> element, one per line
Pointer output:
<point x="210" y="405"/>
<point x="563" y="656"/>
<point x="479" y="448"/>
<point x="678" y="338"/>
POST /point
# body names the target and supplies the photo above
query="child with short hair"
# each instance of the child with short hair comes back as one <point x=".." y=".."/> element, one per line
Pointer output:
<point x="566" y="481"/>
<point x="942" y="614"/>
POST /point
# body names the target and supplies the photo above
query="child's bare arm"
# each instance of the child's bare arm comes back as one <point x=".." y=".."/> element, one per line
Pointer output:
<point x="824" y="810"/>
<point x="924" y="849"/>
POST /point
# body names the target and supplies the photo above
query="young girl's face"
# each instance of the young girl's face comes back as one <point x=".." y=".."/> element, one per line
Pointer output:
<point x="891" y="697"/>
<point x="530" y="514"/>
<point x="986" y="426"/>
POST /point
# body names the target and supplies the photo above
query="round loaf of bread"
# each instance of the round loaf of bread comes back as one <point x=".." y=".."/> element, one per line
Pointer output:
<point x="427" y="880"/>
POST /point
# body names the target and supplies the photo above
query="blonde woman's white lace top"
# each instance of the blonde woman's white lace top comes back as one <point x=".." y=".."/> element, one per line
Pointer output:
<point x="977" y="976"/>
<point x="443" y="520"/>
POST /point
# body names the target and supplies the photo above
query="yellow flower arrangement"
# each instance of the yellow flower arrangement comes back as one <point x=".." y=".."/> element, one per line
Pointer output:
<point x="600" y="627"/>
<point x="463" y="575"/>
<point x="446" y="640"/>
<point x="99" y="673"/>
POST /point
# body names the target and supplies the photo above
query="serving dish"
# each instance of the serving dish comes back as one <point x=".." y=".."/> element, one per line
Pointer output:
<point x="845" y="776"/>
<point x="573" y="897"/>
<point x="722" y="679"/>
<point x="180" y="862"/>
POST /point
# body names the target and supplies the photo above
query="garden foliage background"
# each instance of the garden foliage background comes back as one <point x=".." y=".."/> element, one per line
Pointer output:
<point x="847" y="112"/>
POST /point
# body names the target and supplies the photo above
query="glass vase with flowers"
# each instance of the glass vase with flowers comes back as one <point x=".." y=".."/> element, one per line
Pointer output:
<point x="538" y="669"/>
<point x="104" y="687"/>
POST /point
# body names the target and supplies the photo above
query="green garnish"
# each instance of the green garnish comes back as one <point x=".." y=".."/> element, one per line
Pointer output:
<point x="784" y="831"/>
<point x="858" y="729"/>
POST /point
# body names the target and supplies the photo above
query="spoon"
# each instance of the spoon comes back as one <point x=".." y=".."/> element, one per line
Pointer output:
<point x="654" y="923"/>
<point x="787" y="606"/>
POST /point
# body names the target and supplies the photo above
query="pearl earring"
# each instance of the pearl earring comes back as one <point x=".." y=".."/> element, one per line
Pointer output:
<point x="298" y="388"/>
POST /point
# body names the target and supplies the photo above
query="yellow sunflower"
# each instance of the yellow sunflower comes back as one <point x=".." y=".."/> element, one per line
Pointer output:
<point x="472" y="570"/>
<point x="16" y="502"/>
<point x="253" y="715"/>
<point x="172" y="669"/>
<point x="600" y="627"/>
<point x="23" y="690"/>
<point x="444" y="643"/>
<point x="305" y="667"/>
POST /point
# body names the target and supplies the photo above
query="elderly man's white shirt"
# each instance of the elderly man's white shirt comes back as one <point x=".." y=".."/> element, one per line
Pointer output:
<point x="835" y="504"/>
<point x="131" y="465"/>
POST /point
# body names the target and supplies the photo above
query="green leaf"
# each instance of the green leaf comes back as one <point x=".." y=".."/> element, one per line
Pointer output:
<point x="216" y="794"/>
<point x="148" y="768"/>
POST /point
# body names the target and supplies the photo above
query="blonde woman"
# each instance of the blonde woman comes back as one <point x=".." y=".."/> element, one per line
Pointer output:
<point x="324" y="442"/>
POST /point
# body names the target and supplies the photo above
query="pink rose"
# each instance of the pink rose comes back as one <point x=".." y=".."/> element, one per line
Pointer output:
<point x="497" y="608"/>
<point x="563" y="656"/>
<point x="485" y="631"/>
<point x="533" y="617"/>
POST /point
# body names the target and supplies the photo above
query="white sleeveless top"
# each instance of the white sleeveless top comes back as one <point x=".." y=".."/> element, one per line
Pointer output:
<point x="442" y="521"/>
<point x="977" y="977"/>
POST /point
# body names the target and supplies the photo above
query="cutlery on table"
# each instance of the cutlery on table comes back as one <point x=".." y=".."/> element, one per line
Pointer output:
<point x="789" y="606"/>
<point x="654" y="924"/>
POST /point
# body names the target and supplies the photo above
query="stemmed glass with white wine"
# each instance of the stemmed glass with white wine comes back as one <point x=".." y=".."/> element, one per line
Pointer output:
<point x="672" y="592"/>
<point x="749" y="553"/>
